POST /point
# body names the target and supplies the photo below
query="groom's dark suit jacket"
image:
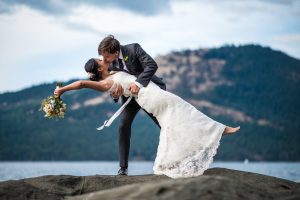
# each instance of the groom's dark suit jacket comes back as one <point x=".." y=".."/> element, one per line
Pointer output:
<point x="140" y="64"/>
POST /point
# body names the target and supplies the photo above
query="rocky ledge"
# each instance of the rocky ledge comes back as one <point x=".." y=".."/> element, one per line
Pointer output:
<point x="216" y="183"/>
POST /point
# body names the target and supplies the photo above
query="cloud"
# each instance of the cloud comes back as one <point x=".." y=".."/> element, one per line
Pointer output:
<point x="289" y="38"/>
<point x="36" y="43"/>
<point x="38" y="47"/>
<point x="60" y="7"/>
<point x="282" y="2"/>
<point x="287" y="2"/>
<point x="290" y="42"/>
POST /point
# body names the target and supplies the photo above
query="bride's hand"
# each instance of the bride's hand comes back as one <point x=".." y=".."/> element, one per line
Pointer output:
<point x="118" y="91"/>
<point x="58" y="92"/>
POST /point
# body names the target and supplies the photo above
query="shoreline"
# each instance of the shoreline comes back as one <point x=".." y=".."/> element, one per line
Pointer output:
<point x="20" y="170"/>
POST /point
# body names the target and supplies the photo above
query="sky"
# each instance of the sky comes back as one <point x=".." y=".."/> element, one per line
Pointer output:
<point x="50" y="40"/>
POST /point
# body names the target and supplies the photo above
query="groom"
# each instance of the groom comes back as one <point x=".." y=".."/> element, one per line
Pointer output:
<point x="132" y="59"/>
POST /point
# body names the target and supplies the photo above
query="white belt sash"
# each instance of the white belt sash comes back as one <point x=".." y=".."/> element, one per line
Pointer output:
<point x="108" y="122"/>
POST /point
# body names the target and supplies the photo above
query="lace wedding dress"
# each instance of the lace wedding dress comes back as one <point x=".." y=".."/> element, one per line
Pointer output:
<point x="188" y="138"/>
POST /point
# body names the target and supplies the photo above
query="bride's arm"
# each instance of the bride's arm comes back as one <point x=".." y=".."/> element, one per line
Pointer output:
<point x="101" y="86"/>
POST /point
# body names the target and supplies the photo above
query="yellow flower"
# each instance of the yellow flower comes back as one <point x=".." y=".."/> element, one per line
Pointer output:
<point x="126" y="58"/>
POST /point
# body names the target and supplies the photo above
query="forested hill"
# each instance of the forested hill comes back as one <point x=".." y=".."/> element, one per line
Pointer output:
<point x="251" y="86"/>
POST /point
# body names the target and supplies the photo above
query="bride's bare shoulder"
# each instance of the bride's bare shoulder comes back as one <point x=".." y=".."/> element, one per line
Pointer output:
<point x="110" y="77"/>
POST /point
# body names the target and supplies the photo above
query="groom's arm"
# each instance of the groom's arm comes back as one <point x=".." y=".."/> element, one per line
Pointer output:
<point x="148" y="64"/>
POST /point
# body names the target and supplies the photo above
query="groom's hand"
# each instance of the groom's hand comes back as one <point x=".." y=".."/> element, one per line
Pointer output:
<point x="133" y="88"/>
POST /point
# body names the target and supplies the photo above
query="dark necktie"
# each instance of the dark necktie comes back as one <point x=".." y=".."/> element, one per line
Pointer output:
<point x="120" y="63"/>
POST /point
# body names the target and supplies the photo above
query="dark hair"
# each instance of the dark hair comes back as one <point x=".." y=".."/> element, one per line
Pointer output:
<point x="92" y="66"/>
<point x="109" y="44"/>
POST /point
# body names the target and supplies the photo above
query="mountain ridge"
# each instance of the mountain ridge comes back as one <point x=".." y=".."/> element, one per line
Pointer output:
<point x="248" y="85"/>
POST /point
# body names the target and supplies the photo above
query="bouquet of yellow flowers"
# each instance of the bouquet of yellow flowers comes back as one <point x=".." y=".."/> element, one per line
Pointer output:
<point x="54" y="106"/>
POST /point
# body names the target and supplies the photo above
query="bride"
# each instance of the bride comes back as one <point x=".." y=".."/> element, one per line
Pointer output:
<point x="188" y="138"/>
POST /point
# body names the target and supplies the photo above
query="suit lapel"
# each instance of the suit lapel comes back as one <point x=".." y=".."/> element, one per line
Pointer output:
<point x="127" y="58"/>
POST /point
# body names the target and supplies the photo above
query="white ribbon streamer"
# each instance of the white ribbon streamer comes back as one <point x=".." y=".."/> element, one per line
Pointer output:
<point x="108" y="122"/>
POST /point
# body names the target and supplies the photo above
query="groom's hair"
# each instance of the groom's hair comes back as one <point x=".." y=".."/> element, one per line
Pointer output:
<point x="109" y="44"/>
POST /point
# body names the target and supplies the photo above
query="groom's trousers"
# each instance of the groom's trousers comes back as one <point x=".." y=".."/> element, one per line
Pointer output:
<point x="127" y="117"/>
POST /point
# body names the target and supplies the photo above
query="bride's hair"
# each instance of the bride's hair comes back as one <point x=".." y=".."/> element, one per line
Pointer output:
<point x="91" y="66"/>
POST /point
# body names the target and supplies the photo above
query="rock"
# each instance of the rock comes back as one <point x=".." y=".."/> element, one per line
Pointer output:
<point x="216" y="183"/>
<point x="57" y="187"/>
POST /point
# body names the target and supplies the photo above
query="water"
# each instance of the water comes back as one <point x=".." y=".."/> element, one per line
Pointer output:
<point x="20" y="170"/>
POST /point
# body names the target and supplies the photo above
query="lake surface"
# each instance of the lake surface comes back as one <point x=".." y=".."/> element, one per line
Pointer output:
<point x="20" y="170"/>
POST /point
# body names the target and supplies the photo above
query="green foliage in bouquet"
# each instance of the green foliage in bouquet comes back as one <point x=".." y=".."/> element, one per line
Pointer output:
<point x="53" y="106"/>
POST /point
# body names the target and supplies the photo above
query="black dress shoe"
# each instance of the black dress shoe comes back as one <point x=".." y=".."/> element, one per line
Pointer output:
<point x="123" y="171"/>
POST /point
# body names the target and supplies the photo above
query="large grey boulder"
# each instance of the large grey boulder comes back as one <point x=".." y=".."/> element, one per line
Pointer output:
<point x="216" y="183"/>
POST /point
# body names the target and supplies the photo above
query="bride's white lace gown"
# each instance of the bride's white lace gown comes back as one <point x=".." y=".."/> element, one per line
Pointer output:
<point x="188" y="138"/>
